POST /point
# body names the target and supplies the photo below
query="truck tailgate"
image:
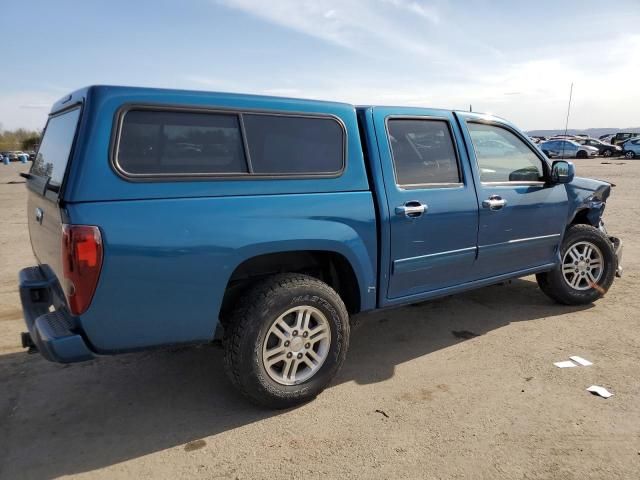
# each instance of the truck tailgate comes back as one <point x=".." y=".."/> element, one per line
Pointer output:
<point x="45" y="184"/>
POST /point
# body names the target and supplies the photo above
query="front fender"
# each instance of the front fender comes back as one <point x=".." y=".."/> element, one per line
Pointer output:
<point x="587" y="200"/>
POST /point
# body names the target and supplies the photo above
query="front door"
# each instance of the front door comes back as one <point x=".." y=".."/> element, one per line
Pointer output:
<point x="431" y="199"/>
<point x="522" y="217"/>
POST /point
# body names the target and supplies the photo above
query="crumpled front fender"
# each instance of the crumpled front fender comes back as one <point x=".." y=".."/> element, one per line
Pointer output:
<point x="587" y="200"/>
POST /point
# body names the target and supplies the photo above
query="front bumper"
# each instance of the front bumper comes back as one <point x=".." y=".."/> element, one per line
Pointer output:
<point x="617" y="248"/>
<point x="52" y="329"/>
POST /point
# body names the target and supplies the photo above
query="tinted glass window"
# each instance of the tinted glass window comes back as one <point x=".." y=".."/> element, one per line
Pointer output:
<point x="154" y="142"/>
<point x="502" y="156"/>
<point x="423" y="152"/>
<point x="53" y="155"/>
<point x="294" y="145"/>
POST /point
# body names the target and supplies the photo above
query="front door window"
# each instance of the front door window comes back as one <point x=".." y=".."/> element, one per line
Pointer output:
<point x="502" y="156"/>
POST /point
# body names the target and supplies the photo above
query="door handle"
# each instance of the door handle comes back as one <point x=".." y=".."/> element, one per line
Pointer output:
<point x="494" y="202"/>
<point x="411" y="209"/>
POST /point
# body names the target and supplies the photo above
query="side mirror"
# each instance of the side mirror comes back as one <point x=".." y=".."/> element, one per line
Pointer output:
<point x="562" y="171"/>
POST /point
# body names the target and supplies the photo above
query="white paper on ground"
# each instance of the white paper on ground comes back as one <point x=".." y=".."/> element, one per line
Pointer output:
<point x="565" y="364"/>
<point x="581" y="361"/>
<point x="603" y="392"/>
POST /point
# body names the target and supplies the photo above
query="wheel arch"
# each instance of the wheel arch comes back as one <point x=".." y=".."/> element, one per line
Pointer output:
<point x="586" y="216"/>
<point x="329" y="266"/>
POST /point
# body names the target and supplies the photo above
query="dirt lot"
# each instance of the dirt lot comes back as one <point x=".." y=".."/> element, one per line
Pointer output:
<point x="415" y="399"/>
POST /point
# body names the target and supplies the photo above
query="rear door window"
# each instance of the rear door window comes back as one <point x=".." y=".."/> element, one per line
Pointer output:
<point x="179" y="143"/>
<point x="423" y="152"/>
<point x="53" y="155"/>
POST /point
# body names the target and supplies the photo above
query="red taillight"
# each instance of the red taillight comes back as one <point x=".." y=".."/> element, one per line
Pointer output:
<point x="81" y="264"/>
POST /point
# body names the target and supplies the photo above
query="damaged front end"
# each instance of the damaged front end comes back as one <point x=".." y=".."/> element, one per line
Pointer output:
<point x="587" y="201"/>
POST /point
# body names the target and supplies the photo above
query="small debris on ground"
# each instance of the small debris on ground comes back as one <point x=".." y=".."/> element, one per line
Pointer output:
<point x="466" y="334"/>
<point x="600" y="391"/>
<point x="383" y="413"/>
<point x="581" y="361"/>
<point x="574" y="361"/>
<point x="565" y="364"/>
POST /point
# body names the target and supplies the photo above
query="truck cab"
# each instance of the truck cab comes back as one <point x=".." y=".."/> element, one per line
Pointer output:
<point x="163" y="217"/>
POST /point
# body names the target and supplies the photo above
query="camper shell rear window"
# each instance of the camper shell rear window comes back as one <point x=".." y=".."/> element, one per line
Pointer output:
<point x="52" y="158"/>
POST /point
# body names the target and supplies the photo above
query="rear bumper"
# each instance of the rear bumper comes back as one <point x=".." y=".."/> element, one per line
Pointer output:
<point x="53" y="331"/>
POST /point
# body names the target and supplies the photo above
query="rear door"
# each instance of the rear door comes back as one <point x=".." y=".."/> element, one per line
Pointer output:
<point x="431" y="200"/>
<point x="522" y="217"/>
<point x="45" y="185"/>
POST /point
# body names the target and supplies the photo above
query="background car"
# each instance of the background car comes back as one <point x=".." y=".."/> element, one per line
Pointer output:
<point x="631" y="148"/>
<point x="605" y="149"/>
<point x="622" y="137"/>
<point x="567" y="149"/>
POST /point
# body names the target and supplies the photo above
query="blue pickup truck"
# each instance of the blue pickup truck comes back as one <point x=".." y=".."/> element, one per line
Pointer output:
<point x="163" y="217"/>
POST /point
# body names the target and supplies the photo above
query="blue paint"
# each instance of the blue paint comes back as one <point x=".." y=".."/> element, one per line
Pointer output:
<point x="171" y="246"/>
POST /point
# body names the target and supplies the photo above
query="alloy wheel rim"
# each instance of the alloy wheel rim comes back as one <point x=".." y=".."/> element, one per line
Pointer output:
<point x="296" y="345"/>
<point x="582" y="266"/>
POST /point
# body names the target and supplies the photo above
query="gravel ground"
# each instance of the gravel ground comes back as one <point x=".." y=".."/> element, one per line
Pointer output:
<point x="462" y="387"/>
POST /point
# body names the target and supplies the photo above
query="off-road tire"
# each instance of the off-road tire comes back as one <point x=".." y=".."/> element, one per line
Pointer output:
<point x="249" y="323"/>
<point x="553" y="284"/>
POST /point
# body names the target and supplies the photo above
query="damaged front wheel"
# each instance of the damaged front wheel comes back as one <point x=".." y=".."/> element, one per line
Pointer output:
<point x="588" y="266"/>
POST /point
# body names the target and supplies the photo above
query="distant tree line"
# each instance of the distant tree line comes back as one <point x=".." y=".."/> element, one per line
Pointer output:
<point x="19" y="139"/>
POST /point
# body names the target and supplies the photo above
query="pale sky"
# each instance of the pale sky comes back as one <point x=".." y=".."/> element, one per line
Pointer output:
<point x="510" y="58"/>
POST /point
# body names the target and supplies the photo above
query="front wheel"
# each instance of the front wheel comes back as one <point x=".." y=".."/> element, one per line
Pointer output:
<point x="587" y="270"/>
<point x="581" y="154"/>
<point x="607" y="153"/>
<point x="630" y="155"/>
<point x="287" y="340"/>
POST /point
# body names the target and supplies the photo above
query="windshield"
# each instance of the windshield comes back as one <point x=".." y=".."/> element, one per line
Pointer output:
<point x="53" y="155"/>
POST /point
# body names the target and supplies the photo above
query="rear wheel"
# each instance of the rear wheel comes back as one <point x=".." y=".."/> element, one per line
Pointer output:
<point x="630" y="155"/>
<point x="587" y="269"/>
<point x="286" y="342"/>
